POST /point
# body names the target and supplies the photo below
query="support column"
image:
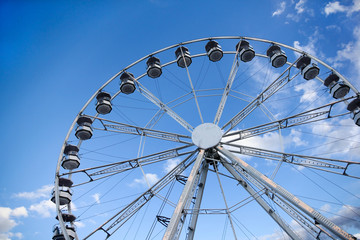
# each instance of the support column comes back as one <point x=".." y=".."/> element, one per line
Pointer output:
<point x="176" y="222"/>
<point x="198" y="200"/>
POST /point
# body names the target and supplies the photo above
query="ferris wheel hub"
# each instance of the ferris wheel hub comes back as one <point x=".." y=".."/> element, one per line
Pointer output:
<point x="207" y="135"/>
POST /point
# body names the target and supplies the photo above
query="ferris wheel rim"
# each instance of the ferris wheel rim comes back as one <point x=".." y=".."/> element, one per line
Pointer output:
<point x="57" y="175"/>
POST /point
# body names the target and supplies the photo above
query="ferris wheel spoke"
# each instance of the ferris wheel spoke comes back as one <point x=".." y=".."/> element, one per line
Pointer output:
<point x="118" y="127"/>
<point x="198" y="200"/>
<point x="108" y="170"/>
<point x="178" y="218"/>
<point x="330" y="165"/>
<point x="258" y="198"/>
<point x="283" y="79"/>
<point x="191" y="85"/>
<point x="146" y="93"/>
<point x="307" y="224"/>
<point x="233" y="72"/>
<point x="314" y="115"/>
<point x="120" y="218"/>
<point x="296" y="204"/>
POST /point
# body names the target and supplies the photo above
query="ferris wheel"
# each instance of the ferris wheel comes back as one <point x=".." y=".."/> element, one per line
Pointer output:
<point x="212" y="138"/>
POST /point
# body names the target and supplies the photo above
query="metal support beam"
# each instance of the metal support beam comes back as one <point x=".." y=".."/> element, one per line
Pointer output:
<point x="330" y="165"/>
<point x="336" y="230"/>
<point x="118" y="127"/>
<point x="174" y="228"/>
<point x="146" y="93"/>
<point x="313" y="115"/>
<point x="119" y="219"/>
<point x="233" y="72"/>
<point x="260" y="201"/>
<point x="199" y="195"/>
<point x="275" y="86"/>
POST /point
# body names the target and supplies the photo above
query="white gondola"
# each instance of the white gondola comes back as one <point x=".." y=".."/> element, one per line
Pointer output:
<point x="103" y="105"/>
<point x="338" y="89"/>
<point x="67" y="217"/>
<point x="65" y="192"/>
<point x="277" y="57"/>
<point x="127" y="85"/>
<point x="153" y="67"/>
<point x="356" y="118"/>
<point x="308" y="71"/>
<point x="354" y="107"/>
<point x="214" y="51"/>
<point x="71" y="159"/>
<point x="59" y="235"/>
<point x="182" y="53"/>
<point x="245" y="50"/>
<point x="84" y="129"/>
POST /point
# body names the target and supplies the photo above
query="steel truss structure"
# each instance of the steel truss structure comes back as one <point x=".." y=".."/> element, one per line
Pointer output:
<point x="205" y="151"/>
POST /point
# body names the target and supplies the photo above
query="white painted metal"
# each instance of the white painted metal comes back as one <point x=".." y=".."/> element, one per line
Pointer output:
<point x="164" y="108"/>
<point x="192" y="86"/>
<point x="339" y="232"/>
<point x="175" y="225"/>
<point x="206" y="135"/>
<point x="232" y="75"/>
<point x="261" y="201"/>
<point x="275" y="86"/>
<point x="198" y="199"/>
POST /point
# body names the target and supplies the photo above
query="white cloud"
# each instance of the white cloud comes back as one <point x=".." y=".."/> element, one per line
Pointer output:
<point x="333" y="27"/>
<point x="295" y="137"/>
<point x="335" y="7"/>
<point x="19" y="212"/>
<point x="7" y="223"/>
<point x="152" y="178"/>
<point x="280" y="10"/>
<point x="350" y="213"/>
<point x="45" y="208"/>
<point x="96" y="197"/>
<point x="326" y="207"/>
<point x="349" y="53"/>
<point x="333" y="144"/>
<point x="170" y="164"/>
<point x="10" y="235"/>
<point x="270" y="141"/>
<point x="309" y="91"/>
<point x="308" y="48"/>
<point x="79" y="224"/>
<point x="300" y="6"/>
<point x="43" y="192"/>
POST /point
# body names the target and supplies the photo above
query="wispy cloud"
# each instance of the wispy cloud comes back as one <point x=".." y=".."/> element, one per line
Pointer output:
<point x="308" y="88"/>
<point x="151" y="178"/>
<point x="336" y="130"/>
<point x="349" y="53"/>
<point x="337" y="7"/>
<point x="170" y="164"/>
<point x="96" y="197"/>
<point x="44" y="209"/>
<point x="300" y="6"/>
<point x="43" y="192"/>
<point x="310" y="47"/>
<point x="280" y="10"/>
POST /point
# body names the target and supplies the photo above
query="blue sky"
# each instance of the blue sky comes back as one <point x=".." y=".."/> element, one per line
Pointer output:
<point x="55" y="54"/>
